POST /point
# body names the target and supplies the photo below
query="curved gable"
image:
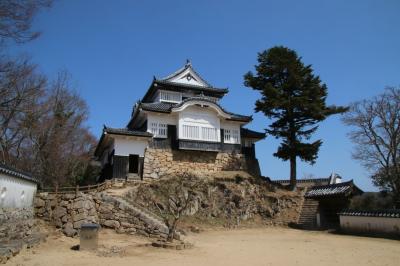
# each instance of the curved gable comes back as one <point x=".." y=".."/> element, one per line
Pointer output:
<point x="203" y="103"/>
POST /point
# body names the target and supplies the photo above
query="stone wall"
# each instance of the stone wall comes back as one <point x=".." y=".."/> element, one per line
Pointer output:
<point x="17" y="229"/>
<point x="70" y="211"/>
<point x="159" y="162"/>
<point x="66" y="211"/>
<point x="15" y="223"/>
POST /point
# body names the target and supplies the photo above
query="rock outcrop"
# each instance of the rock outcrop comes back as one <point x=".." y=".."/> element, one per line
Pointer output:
<point x="232" y="202"/>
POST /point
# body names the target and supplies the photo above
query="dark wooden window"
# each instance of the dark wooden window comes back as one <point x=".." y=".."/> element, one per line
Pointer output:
<point x="133" y="163"/>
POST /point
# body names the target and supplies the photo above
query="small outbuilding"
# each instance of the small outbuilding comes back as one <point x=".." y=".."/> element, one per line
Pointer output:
<point x="322" y="204"/>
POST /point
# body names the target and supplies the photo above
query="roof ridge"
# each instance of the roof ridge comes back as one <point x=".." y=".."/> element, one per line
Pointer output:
<point x="302" y="180"/>
<point x="189" y="85"/>
<point x="350" y="182"/>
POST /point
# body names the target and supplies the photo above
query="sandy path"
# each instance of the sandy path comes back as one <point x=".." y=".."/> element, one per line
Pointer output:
<point x="270" y="246"/>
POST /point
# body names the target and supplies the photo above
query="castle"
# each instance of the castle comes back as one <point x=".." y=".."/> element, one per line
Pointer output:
<point x="179" y="126"/>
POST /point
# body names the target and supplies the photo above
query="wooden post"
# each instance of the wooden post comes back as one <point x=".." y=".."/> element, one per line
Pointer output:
<point x="88" y="188"/>
<point x="76" y="190"/>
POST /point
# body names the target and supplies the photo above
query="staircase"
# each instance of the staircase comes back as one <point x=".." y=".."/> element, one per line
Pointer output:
<point x="308" y="215"/>
<point x="151" y="220"/>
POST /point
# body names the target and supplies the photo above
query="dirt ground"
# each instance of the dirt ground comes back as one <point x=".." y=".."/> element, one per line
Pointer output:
<point x="262" y="246"/>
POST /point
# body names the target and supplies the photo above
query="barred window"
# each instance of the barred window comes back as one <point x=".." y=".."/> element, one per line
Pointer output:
<point x="159" y="130"/>
<point x="169" y="96"/>
<point x="231" y="136"/>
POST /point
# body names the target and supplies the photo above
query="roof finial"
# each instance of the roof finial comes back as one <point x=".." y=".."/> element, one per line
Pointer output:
<point x="188" y="63"/>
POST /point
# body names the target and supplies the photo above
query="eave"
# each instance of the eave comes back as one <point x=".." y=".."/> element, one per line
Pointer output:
<point x="180" y="87"/>
<point x="5" y="169"/>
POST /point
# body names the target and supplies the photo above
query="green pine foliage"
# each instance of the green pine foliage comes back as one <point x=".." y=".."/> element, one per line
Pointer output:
<point x="295" y="99"/>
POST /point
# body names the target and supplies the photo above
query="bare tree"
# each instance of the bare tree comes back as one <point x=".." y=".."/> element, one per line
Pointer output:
<point x="376" y="133"/>
<point x="16" y="19"/>
<point x="42" y="125"/>
<point x="61" y="144"/>
<point x="20" y="90"/>
<point x="172" y="198"/>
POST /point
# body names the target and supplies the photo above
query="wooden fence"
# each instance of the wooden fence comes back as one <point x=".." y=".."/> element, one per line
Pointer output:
<point x="89" y="188"/>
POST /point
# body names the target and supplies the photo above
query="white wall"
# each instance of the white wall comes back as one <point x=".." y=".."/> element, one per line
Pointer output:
<point x="232" y="126"/>
<point x="170" y="119"/>
<point x="370" y="224"/>
<point x="197" y="116"/>
<point x="16" y="192"/>
<point x="124" y="146"/>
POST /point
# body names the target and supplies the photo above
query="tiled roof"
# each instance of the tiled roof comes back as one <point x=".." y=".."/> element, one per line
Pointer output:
<point x="190" y="86"/>
<point x="174" y="86"/>
<point x="167" y="107"/>
<point x="126" y="132"/>
<point x="345" y="188"/>
<point x="245" y="132"/>
<point x="157" y="107"/>
<point x="395" y="213"/>
<point x="311" y="180"/>
<point x="16" y="173"/>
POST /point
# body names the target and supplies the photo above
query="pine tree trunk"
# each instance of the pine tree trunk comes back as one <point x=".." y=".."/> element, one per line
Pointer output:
<point x="293" y="173"/>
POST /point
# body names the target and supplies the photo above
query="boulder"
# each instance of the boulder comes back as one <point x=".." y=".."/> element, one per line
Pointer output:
<point x="79" y="216"/>
<point x="38" y="203"/>
<point x="78" y="204"/>
<point x="59" y="212"/>
<point x="69" y="230"/>
<point x="78" y="224"/>
<point x="112" y="223"/>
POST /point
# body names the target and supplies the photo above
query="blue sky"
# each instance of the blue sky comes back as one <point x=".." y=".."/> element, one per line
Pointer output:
<point x="113" y="49"/>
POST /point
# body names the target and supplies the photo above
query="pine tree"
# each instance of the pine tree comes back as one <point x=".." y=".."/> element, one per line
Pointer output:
<point x="294" y="98"/>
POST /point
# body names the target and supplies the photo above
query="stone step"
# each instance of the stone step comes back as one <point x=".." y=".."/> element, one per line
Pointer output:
<point x="307" y="219"/>
<point x="146" y="218"/>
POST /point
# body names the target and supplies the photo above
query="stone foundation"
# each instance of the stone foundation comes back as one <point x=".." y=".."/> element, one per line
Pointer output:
<point x="159" y="162"/>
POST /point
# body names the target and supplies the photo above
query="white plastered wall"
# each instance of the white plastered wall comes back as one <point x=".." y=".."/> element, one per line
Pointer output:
<point x="194" y="115"/>
<point x="169" y="119"/>
<point x="125" y="145"/>
<point x="16" y="192"/>
<point x="231" y="125"/>
<point x="370" y="224"/>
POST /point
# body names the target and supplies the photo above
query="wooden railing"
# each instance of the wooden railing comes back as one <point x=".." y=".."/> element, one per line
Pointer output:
<point x="89" y="188"/>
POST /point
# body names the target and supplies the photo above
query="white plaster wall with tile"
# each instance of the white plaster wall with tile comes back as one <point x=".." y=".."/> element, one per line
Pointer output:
<point x="16" y="192"/>
<point x="370" y="224"/>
